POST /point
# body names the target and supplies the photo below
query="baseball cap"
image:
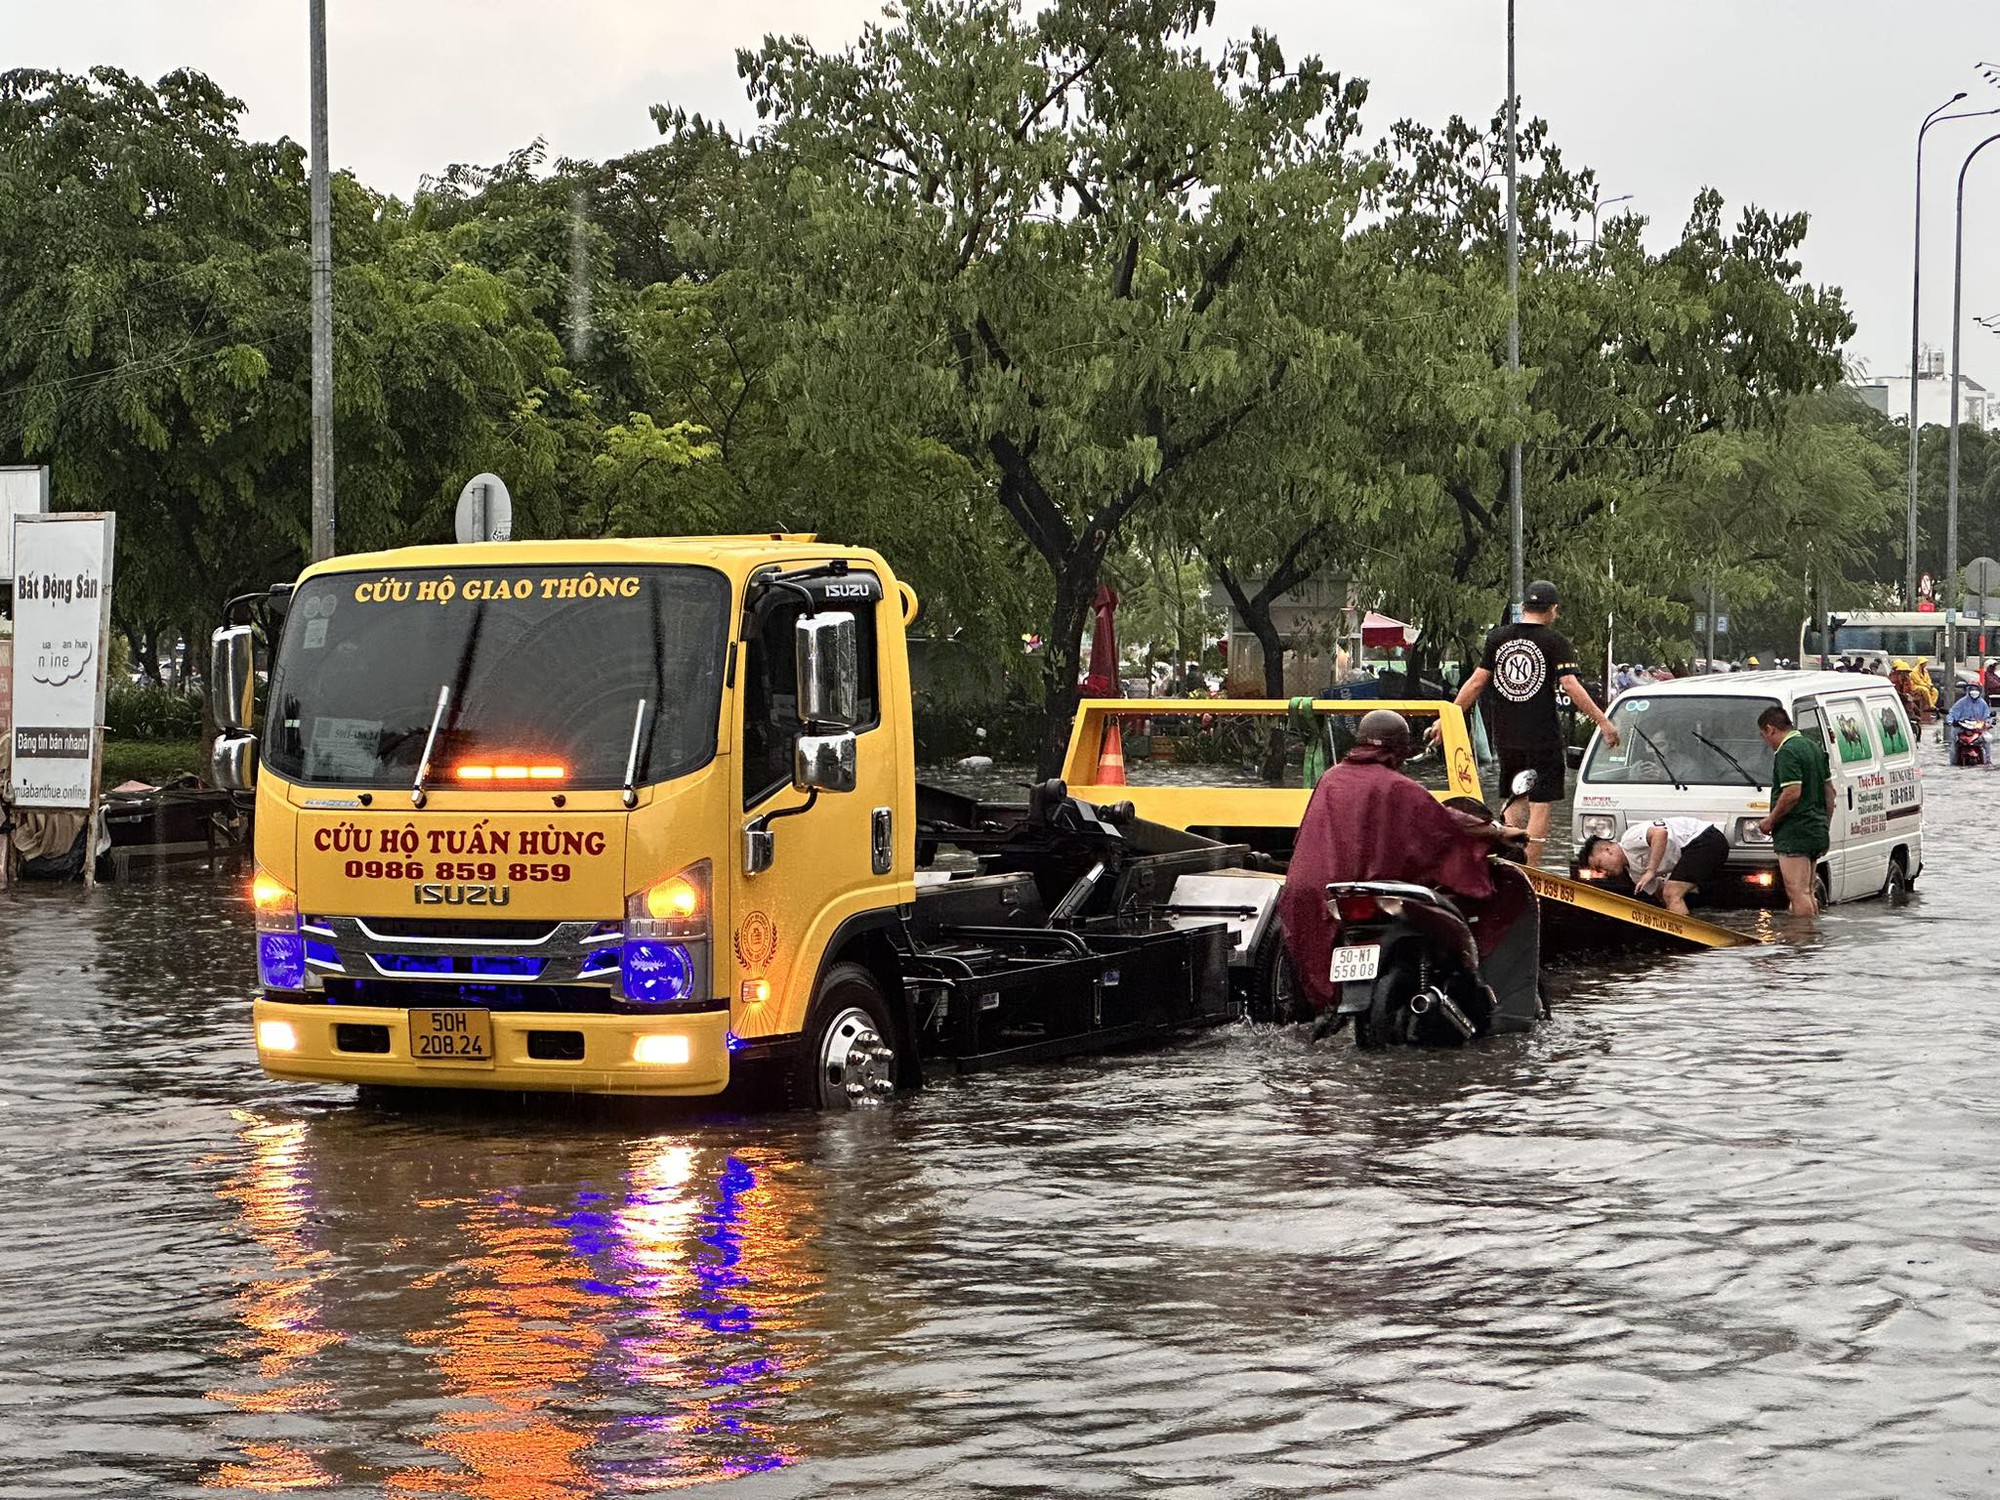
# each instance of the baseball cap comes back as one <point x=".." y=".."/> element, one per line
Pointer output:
<point x="1541" y="595"/>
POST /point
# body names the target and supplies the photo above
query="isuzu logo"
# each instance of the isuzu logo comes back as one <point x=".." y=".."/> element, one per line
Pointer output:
<point x="461" y="895"/>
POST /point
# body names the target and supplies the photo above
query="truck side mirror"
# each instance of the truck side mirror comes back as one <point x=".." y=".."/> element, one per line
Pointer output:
<point x="824" y="762"/>
<point x="232" y="764"/>
<point x="829" y="668"/>
<point x="232" y="677"/>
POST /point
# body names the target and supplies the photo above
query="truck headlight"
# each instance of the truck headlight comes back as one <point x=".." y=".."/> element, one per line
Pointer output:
<point x="1747" y="832"/>
<point x="281" y="953"/>
<point x="1598" y="825"/>
<point x="664" y="957"/>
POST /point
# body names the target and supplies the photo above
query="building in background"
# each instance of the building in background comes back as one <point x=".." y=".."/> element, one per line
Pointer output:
<point x="1890" y="395"/>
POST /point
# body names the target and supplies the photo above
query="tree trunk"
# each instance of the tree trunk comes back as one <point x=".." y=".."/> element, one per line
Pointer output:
<point x="1062" y="655"/>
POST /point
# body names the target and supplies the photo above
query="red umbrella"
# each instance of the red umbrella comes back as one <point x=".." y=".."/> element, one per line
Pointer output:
<point x="1102" y="679"/>
<point x="1381" y="631"/>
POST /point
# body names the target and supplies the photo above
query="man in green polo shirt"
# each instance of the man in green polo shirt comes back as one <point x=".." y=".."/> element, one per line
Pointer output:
<point x="1801" y="806"/>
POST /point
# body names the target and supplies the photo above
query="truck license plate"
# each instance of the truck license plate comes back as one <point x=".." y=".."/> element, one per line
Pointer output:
<point x="461" y="1036"/>
<point x="1358" y="962"/>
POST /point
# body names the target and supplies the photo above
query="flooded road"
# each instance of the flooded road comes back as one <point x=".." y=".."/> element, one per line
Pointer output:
<point x="1723" y="1227"/>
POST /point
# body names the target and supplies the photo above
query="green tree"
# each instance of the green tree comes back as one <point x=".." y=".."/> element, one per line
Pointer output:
<point x="1076" y="250"/>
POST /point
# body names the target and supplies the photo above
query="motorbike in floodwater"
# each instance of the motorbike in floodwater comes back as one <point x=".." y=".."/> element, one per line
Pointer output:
<point x="1968" y="743"/>
<point x="1414" y="966"/>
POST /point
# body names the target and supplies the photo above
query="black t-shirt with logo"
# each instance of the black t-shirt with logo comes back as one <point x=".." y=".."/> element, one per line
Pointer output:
<point x="1527" y="661"/>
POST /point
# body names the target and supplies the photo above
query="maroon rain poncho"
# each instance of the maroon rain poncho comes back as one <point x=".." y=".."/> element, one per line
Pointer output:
<point x="1368" y="821"/>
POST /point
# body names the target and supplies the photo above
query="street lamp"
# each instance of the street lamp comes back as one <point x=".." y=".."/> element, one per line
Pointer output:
<point x="1935" y="117"/>
<point x="1916" y="284"/>
<point x="1951" y="479"/>
<point x="1603" y="203"/>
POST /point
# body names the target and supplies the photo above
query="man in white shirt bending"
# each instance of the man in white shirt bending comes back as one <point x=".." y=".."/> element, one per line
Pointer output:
<point x="1669" y="855"/>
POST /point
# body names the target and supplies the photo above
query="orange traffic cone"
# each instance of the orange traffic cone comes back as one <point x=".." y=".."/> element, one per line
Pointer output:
<point x="1111" y="759"/>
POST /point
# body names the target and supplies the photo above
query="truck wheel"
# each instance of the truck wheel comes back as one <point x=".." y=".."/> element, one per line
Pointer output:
<point x="1274" y="997"/>
<point x="848" y="1059"/>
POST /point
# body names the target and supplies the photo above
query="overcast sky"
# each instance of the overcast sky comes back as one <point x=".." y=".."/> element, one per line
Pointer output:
<point x="1791" y="104"/>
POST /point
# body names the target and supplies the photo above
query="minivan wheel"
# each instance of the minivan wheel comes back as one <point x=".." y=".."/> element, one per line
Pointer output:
<point x="1897" y="887"/>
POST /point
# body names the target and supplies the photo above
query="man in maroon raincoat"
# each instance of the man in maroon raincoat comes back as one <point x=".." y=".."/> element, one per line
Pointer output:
<point x="1368" y="821"/>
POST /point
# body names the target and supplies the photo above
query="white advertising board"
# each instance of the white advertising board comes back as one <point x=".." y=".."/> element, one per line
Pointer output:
<point x="23" y="492"/>
<point x="62" y="623"/>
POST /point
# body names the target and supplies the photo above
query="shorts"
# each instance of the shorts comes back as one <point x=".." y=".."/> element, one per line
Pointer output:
<point x="1546" y="762"/>
<point x="1805" y="840"/>
<point x="1701" y="859"/>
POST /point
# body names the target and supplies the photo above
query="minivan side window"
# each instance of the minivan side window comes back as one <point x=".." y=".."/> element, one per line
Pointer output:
<point x="1853" y="740"/>
<point x="1812" y="726"/>
<point x="1892" y="725"/>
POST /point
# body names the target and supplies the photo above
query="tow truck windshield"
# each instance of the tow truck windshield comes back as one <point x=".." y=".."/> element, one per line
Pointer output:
<point x="543" y="666"/>
<point x="1684" y="741"/>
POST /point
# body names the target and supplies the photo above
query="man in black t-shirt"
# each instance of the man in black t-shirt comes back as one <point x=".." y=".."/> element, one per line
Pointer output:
<point x="1525" y="663"/>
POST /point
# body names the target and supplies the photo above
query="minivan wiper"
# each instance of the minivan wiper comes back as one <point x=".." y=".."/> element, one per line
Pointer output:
<point x="1740" y="768"/>
<point x="1679" y="785"/>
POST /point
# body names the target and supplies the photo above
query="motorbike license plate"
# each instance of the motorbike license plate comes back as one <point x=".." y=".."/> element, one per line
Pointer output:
<point x="455" y="1036"/>
<point x="1358" y="962"/>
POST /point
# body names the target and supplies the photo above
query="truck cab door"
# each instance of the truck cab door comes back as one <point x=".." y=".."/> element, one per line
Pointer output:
<point x="807" y="861"/>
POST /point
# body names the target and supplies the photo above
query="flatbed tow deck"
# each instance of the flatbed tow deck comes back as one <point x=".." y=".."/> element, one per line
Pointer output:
<point x="1068" y="933"/>
<point x="1576" y="915"/>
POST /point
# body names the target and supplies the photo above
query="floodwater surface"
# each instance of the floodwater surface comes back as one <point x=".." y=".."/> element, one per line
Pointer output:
<point x="1726" y="1226"/>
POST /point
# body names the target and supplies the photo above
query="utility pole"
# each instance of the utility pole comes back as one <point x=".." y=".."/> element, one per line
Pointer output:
<point x="1516" y="576"/>
<point x="322" y="300"/>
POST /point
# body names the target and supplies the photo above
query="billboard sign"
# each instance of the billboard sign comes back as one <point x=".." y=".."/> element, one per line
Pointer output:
<point x="62" y="624"/>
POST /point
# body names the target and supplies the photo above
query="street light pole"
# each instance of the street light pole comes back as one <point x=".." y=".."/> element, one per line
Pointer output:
<point x="1935" y="117"/>
<point x="322" y="299"/>
<point x="1951" y="461"/>
<point x="1916" y="284"/>
<point x="1515" y="578"/>
<point x="1599" y="205"/>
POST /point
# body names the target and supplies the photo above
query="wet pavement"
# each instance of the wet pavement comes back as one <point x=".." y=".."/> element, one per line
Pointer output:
<point x="1721" y="1228"/>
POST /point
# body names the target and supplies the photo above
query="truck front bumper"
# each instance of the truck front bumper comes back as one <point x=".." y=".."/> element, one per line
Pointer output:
<point x="606" y="1066"/>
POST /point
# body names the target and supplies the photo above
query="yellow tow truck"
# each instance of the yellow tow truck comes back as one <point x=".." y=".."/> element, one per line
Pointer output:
<point x="641" y="817"/>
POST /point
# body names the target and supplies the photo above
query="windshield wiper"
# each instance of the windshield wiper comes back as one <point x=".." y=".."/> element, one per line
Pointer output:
<point x="1679" y="785"/>
<point x="1740" y="768"/>
<point x="430" y="741"/>
<point x="632" y="757"/>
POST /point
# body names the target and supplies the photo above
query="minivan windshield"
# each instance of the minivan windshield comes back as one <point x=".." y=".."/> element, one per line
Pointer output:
<point x="545" y="668"/>
<point x="1684" y="740"/>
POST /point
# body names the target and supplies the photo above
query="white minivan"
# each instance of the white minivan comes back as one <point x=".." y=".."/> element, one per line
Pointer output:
<point x="1690" y="748"/>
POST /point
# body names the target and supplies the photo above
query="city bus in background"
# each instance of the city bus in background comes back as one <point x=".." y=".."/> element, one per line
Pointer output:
<point x="1886" y="634"/>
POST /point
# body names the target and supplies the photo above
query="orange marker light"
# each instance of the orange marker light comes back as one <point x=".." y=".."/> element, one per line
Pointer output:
<point x="269" y="894"/>
<point x="510" y="773"/>
<point x="674" y="899"/>
<point x="756" y="991"/>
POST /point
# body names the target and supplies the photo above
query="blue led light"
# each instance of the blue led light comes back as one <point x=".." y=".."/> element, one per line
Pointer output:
<point x="324" y="954"/>
<point x="734" y="1042"/>
<point x="655" y="973"/>
<point x="482" y="965"/>
<point x="281" y="961"/>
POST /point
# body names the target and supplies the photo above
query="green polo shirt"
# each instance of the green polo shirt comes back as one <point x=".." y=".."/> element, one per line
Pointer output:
<point x="1801" y="763"/>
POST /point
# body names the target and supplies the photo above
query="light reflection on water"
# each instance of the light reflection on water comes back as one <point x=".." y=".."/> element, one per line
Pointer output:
<point x="672" y="1291"/>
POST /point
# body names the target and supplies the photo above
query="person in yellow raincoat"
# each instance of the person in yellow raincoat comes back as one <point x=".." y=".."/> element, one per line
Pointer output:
<point x="1921" y="684"/>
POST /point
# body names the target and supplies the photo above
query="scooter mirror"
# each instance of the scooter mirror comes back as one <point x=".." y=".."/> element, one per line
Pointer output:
<point x="1524" y="783"/>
